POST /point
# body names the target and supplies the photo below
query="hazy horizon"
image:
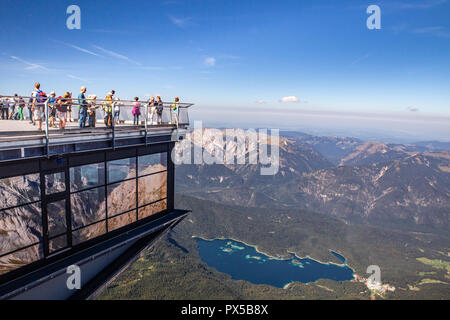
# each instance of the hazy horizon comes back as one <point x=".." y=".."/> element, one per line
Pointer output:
<point x="400" y="127"/>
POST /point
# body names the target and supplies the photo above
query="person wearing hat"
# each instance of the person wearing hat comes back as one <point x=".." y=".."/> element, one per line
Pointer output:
<point x="108" y="110"/>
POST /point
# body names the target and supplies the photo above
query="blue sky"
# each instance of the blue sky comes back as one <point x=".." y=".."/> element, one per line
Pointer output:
<point x="241" y="56"/>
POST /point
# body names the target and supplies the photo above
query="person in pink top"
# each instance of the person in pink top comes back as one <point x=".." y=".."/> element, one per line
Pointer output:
<point x="136" y="111"/>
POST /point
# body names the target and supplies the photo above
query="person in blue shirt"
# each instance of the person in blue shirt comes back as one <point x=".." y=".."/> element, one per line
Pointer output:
<point x="52" y="109"/>
<point x="83" y="107"/>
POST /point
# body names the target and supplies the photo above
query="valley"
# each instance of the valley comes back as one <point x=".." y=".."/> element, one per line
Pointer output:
<point x="389" y="208"/>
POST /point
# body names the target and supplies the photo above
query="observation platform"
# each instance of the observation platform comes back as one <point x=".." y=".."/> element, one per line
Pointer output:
<point x="21" y="139"/>
<point x="92" y="197"/>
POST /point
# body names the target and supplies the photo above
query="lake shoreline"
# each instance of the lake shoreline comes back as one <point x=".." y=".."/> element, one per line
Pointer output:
<point x="289" y="252"/>
<point x="292" y="259"/>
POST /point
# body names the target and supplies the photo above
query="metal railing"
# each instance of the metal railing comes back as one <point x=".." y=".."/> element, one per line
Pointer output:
<point x="149" y="116"/>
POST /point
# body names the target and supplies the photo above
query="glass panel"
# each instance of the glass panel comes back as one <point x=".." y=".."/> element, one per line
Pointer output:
<point x="20" y="227"/>
<point x="122" y="220"/>
<point x="18" y="190"/>
<point x="152" y="209"/>
<point x="87" y="176"/>
<point x="166" y="116"/>
<point x="20" y="258"/>
<point x="152" y="188"/>
<point x="55" y="182"/>
<point x="183" y="116"/>
<point x="152" y="163"/>
<point x="88" y="233"/>
<point x="87" y="207"/>
<point x="121" y="169"/>
<point x="121" y="197"/>
<point x="56" y="213"/>
<point x="57" y="243"/>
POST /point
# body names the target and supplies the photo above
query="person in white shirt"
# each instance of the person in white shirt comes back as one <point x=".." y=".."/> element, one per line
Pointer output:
<point x="117" y="105"/>
<point x="151" y="110"/>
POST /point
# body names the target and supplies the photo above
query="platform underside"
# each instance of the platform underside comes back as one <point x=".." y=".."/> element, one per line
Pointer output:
<point x="98" y="264"/>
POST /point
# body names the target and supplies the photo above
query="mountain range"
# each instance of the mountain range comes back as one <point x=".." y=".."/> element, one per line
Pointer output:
<point x="392" y="185"/>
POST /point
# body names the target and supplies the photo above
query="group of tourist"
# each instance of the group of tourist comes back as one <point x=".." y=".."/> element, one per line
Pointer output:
<point x="12" y="108"/>
<point x="60" y="108"/>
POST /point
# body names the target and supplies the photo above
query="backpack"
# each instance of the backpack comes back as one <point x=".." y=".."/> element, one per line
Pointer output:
<point x="159" y="108"/>
<point x="41" y="96"/>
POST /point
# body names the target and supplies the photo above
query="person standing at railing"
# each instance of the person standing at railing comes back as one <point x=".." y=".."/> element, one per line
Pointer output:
<point x="52" y="109"/>
<point x="151" y="110"/>
<point x="30" y="110"/>
<point x="20" y="107"/>
<point x="175" y="109"/>
<point x="4" y="108"/>
<point x="159" y="109"/>
<point x="108" y="110"/>
<point x="136" y="111"/>
<point x="117" y="105"/>
<point x="17" y="110"/>
<point x="69" y="107"/>
<point x="61" y="108"/>
<point x="12" y="107"/>
<point x="92" y="110"/>
<point x="83" y="107"/>
<point x="39" y="98"/>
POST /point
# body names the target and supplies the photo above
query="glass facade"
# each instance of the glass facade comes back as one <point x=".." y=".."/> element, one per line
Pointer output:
<point x="117" y="192"/>
<point x="121" y="169"/>
<point x="19" y="190"/>
<point x="152" y="188"/>
<point x="87" y="176"/>
<point x="55" y="182"/>
<point x="98" y="198"/>
<point x="152" y="163"/>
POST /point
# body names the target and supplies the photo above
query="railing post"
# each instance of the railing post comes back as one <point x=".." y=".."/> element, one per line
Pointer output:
<point x="46" y="128"/>
<point x="113" y="125"/>
<point x="146" y="120"/>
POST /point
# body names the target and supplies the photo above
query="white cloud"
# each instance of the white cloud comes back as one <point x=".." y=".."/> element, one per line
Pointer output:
<point x="437" y="31"/>
<point x="159" y="68"/>
<point x="358" y="60"/>
<point x="30" y="66"/>
<point x="179" y="22"/>
<point x="82" y="49"/>
<point x="209" y="62"/>
<point x="116" y="55"/>
<point x="76" y="78"/>
<point x="292" y="99"/>
<point x="260" y="101"/>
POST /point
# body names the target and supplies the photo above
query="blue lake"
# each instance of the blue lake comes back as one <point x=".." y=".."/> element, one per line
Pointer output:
<point x="243" y="262"/>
